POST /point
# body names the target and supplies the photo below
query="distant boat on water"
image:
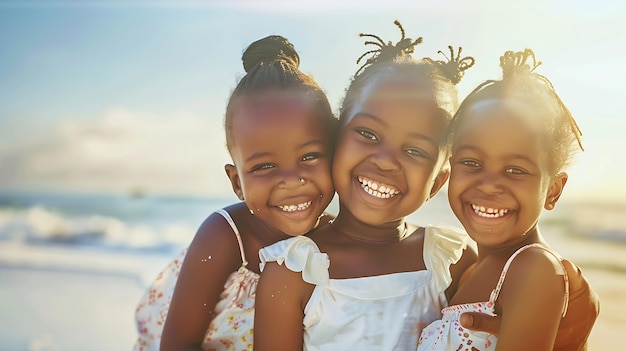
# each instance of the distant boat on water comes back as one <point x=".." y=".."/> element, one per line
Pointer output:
<point x="137" y="193"/>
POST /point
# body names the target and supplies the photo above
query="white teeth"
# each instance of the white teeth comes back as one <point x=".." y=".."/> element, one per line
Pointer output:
<point x="298" y="207"/>
<point x="377" y="190"/>
<point x="489" y="212"/>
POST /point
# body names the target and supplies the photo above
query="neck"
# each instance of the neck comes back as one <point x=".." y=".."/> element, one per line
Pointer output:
<point x="533" y="236"/>
<point x="265" y="234"/>
<point x="352" y="228"/>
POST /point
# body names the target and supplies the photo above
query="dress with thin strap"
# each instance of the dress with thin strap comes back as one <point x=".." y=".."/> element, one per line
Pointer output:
<point x="383" y="312"/>
<point x="230" y="330"/>
<point x="448" y="334"/>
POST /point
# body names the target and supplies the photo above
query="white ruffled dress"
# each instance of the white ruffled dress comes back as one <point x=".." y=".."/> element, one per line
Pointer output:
<point x="385" y="312"/>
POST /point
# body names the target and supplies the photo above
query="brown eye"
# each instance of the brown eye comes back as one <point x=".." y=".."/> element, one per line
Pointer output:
<point x="417" y="153"/>
<point x="312" y="156"/>
<point x="262" y="167"/>
<point x="515" y="170"/>
<point x="470" y="163"/>
<point x="367" y="134"/>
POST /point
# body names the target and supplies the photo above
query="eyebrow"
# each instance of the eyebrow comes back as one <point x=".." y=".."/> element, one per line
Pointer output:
<point x="312" y="142"/>
<point x="258" y="155"/>
<point x="413" y="135"/>
<point x="370" y="116"/>
<point x="508" y="157"/>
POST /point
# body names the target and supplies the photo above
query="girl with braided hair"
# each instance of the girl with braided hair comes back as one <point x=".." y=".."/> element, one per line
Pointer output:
<point x="370" y="280"/>
<point x="279" y="132"/>
<point x="511" y="142"/>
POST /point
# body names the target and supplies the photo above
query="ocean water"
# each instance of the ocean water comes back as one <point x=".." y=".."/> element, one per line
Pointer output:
<point x="143" y="224"/>
<point x="137" y="224"/>
<point x="163" y="225"/>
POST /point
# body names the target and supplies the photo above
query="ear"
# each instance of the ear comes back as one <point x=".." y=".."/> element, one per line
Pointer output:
<point x="233" y="176"/>
<point x="555" y="190"/>
<point x="439" y="181"/>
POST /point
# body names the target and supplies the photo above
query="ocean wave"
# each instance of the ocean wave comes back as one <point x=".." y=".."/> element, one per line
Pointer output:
<point x="39" y="225"/>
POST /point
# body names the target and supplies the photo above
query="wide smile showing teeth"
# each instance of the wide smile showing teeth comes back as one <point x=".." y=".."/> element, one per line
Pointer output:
<point x="299" y="207"/>
<point x="489" y="212"/>
<point x="381" y="191"/>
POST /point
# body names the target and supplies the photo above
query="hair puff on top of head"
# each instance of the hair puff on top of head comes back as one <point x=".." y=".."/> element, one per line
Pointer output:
<point x="270" y="48"/>
<point x="454" y="68"/>
<point x="387" y="51"/>
<point x="517" y="64"/>
<point x="522" y="64"/>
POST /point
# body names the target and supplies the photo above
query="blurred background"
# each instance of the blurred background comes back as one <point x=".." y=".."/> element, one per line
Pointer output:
<point x="112" y="146"/>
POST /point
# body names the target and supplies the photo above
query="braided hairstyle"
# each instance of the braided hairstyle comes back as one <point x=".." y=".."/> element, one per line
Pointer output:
<point x="521" y="83"/>
<point x="271" y="66"/>
<point x="394" y="62"/>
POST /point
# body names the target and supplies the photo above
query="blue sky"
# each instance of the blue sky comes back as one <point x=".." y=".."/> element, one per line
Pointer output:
<point x="104" y="96"/>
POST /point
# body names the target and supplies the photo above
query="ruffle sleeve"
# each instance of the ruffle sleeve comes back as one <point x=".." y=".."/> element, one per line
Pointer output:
<point x="443" y="247"/>
<point x="298" y="254"/>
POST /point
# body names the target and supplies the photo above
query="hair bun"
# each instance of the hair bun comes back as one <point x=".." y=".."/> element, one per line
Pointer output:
<point x="268" y="49"/>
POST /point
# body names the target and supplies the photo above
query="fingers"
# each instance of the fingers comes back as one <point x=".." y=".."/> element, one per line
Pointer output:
<point x="481" y="322"/>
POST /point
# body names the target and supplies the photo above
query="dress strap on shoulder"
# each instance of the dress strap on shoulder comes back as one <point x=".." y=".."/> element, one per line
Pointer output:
<point x="496" y="291"/>
<point x="230" y="221"/>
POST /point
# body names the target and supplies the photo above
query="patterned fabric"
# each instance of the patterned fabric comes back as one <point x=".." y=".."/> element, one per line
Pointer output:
<point x="448" y="334"/>
<point x="383" y="312"/>
<point x="230" y="330"/>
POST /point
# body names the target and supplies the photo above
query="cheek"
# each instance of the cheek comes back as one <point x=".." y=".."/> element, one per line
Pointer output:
<point x="253" y="187"/>
<point x="323" y="177"/>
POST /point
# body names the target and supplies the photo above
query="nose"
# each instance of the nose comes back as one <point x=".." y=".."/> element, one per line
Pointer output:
<point x="385" y="160"/>
<point x="291" y="179"/>
<point x="490" y="183"/>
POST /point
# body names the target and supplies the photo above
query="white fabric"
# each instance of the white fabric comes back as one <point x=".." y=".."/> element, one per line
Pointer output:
<point x="383" y="312"/>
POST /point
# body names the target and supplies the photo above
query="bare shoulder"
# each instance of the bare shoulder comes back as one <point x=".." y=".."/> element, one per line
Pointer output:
<point x="532" y="268"/>
<point x="535" y="262"/>
<point x="281" y="288"/>
<point x="216" y="240"/>
<point x="281" y="297"/>
<point x="212" y="257"/>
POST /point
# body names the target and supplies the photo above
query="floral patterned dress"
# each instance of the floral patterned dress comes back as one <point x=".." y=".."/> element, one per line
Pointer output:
<point x="230" y="330"/>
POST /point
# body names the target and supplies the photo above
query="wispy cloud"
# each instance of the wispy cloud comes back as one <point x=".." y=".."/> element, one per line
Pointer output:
<point x="121" y="150"/>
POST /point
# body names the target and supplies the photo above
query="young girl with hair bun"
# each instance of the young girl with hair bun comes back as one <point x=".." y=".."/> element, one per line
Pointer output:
<point x="279" y="132"/>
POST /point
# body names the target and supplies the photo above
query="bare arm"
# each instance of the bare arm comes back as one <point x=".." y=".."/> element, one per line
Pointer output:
<point x="279" y="309"/>
<point x="532" y="300"/>
<point x="212" y="256"/>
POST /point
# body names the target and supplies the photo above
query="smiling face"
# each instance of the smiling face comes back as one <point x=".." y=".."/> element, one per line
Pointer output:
<point x="281" y="153"/>
<point x="500" y="179"/>
<point x="388" y="157"/>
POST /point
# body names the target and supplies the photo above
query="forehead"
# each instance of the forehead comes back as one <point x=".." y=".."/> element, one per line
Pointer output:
<point x="275" y="120"/>
<point x="402" y="96"/>
<point x="499" y="110"/>
<point x="500" y="125"/>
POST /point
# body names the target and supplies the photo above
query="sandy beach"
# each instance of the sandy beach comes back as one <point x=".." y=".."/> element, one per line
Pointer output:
<point x="58" y="299"/>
